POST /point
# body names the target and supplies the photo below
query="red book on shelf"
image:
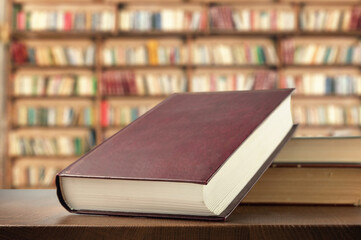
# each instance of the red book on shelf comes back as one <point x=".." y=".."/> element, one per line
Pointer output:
<point x="229" y="20"/>
<point x="21" y="22"/>
<point x="124" y="83"/>
<point x="19" y="52"/>
<point x="131" y="83"/>
<point x="213" y="14"/>
<point x="112" y="82"/>
<point x="223" y="18"/>
<point x="193" y="156"/>
<point x="203" y="21"/>
<point x="359" y="19"/>
<point x="213" y="85"/>
<point x="274" y="26"/>
<point x="234" y="82"/>
<point x="67" y="21"/>
<point x="283" y="83"/>
<point x="104" y="113"/>
<point x="253" y="16"/>
<point x="247" y="50"/>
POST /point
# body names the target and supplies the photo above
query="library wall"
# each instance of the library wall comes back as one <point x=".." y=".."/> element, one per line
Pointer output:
<point x="80" y="72"/>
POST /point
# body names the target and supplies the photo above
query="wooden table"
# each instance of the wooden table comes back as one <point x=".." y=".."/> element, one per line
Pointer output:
<point x="37" y="214"/>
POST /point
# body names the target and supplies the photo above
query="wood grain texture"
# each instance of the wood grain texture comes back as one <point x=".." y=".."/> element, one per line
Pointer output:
<point x="37" y="214"/>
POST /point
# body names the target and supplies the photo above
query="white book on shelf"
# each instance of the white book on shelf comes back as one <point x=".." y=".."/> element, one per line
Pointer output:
<point x="332" y="59"/>
<point x="249" y="82"/>
<point x="320" y="20"/>
<point x="51" y="117"/>
<point x="60" y="20"/>
<point x="335" y="19"/>
<point x="264" y="20"/>
<point x="49" y="177"/>
<point x="311" y="21"/>
<point x="320" y="54"/>
<point x="196" y="17"/>
<point x="309" y="54"/>
<point x="163" y="79"/>
<point x="179" y="21"/>
<point x="240" y="78"/>
<point x="221" y="83"/>
<point x="246" y="19"/>
<point x="124" y="20"/>
<point x="237" y="20"/>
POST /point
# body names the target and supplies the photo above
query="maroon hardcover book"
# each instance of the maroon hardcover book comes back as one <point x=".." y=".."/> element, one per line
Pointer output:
<point x="188" y="140"/>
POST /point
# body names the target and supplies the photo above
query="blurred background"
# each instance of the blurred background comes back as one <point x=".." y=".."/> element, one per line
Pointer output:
<point x="73" y="73"/>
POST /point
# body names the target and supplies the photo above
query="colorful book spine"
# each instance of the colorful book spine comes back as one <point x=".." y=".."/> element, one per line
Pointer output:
<point x="321" y="53"/>
<point x="327" y="115"/>
<point x="252" y="18"/>
<point x="54" y="85"/>
<point x="322" y="84"/>
<point x="60" y="145"/>
<point x="139" y="83"/>
<point x="53" y="55"/>
<point x="63" y="20"/>
<point x="165" y="19"/>
<point x="54" y="116"/>
<point x="318" y="18"/>
<point x="119" y="115"/>
<point x="234" y="54"/>
<point x="34" y="175"/>
<point x="149" y="53"/>
<point x="209" y="82"/>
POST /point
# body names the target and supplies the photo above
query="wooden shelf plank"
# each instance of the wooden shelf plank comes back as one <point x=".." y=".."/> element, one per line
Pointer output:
<point x="41" y="216"/>
<point x="19" y="34"/>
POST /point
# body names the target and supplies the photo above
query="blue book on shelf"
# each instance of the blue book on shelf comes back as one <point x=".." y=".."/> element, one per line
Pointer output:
<point x="133" y="113"/>
<point x="349" y="55"/>
<point x="158" y="21"/>
<point x="31" y="55"/>
<point x="327" y="54"/>
<point x="329" y="85"/>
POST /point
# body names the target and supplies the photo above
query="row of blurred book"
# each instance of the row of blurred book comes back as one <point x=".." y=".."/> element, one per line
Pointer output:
<point x="251" y="17"/>
<point x="168" y="81"/>
<point x="206" y="51"/>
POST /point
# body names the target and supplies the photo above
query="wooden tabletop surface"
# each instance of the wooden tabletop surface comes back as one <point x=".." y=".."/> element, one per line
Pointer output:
<point x="29" y="214"/>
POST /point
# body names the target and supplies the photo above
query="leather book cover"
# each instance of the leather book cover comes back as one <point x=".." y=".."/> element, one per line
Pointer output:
<point x="186" y="138"/>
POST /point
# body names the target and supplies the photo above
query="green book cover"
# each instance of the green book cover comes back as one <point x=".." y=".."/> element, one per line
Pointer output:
<point x="16" y="10"/>
<point x="55" y="145"/>
<point x="349" y="55"/>
<point x="327" y="54"/>
<point x="76" y="146"/>
<point x="76" y="85"/>
<point x="27" y="20"/>
<point x="31" y="116"/>
<point x="45" y="116"/>
<point x="39" y="116"/>
<point x="94" y="86"/>
<point x="34" y="85"/>
<point x="113" y="56"/>
<point x="134" y="114"/>
<point x="260" y="55"/>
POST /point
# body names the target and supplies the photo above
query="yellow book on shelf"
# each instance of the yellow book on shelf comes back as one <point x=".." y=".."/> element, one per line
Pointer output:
<point x="346" y="21"/>
<point x="152" y="46"/>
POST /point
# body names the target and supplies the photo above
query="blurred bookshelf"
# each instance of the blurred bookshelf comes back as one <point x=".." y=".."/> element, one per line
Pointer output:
<point x="81" y="72"/>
